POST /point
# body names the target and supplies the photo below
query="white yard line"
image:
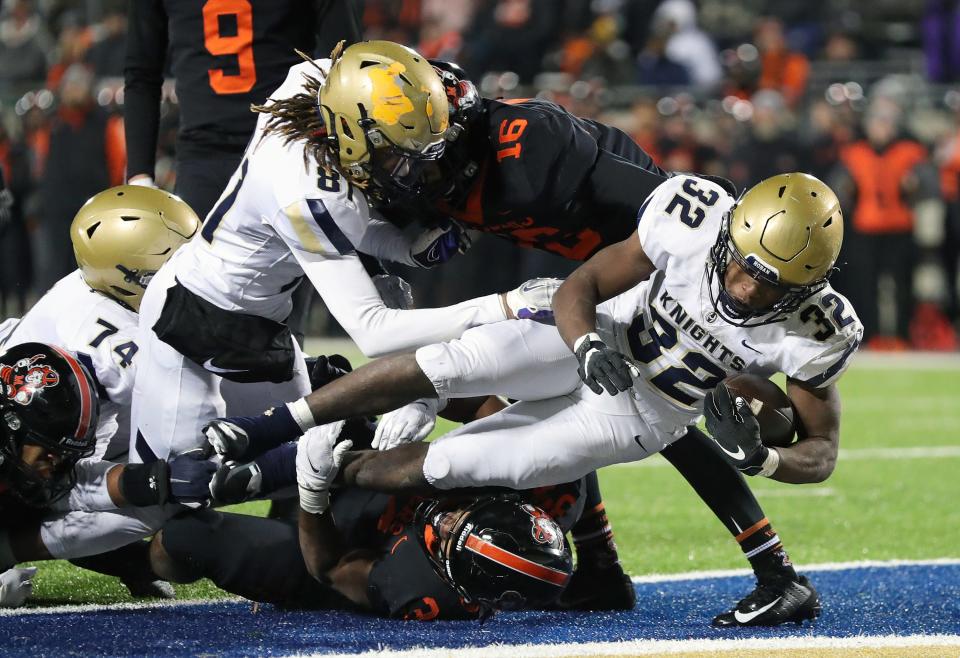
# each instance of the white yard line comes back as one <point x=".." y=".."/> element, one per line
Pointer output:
<point x="646" y="647"/>
<point x="651" y="578"/>
<point x="846" y="455"/>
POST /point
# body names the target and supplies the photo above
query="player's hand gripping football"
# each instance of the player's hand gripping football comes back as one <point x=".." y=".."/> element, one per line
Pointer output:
<point x="407" y="424"/>
<point x="735" y="429"/>
<point x="602" y="367"/>
<point x="436" y="246"/>
<point x="533" y="300"/>
<point x="318" y="461"/>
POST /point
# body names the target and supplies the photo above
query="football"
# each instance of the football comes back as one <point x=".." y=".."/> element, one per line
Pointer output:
<point x="770" y="405"/>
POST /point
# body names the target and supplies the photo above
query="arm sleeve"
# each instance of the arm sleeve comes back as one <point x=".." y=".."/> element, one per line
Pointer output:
<point x="90" y="493"/>
<point x="385" y="241"/>
<point x="352" y="298"/>
<point x="143" y="79"/>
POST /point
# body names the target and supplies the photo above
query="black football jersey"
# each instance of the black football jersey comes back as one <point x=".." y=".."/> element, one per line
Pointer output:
<point x="553" y="181"/>
<point x="223" y="54"/>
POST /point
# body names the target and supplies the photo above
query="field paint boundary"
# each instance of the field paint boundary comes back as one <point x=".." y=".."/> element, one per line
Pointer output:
<point x="822" y="566"/>
<point x="651" y="578"/>
<point x="641" y="647"/>
<point x="844" y="455"/>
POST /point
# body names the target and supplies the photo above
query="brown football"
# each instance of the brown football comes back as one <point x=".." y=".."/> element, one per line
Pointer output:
<point x="770" y="405"/>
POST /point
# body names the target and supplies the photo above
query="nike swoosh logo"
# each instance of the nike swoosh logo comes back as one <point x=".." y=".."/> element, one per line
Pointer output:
<point x="738" y="455"/>
<point x="208" y="365"/>
<point x="180" y="481"/>
<point x="750" y="347"/>
<point x="746" y="617"/>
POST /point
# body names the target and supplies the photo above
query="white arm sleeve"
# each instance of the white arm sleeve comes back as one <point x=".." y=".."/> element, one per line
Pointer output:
<point x="90" y="493"/>
<point x="78" y="534"/>
<point x="351" y="297"/>
<point x="385" y="241"/>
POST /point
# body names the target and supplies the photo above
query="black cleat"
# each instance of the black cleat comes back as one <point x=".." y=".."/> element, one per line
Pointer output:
<point x="599" y="589"/>
<point x="773" y="603"/>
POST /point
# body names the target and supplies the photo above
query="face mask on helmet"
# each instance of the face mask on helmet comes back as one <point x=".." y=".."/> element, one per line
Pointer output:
<point x="49" y="411"/>
<point x="396" y="173"/>
<point x="784" y="233"/>
<point x="497" y="552"/>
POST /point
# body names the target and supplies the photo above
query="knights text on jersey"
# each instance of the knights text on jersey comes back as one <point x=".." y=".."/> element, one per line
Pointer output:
<point x="669" y="327"/>
<point x="102" y="334"/>
<point x="536" y="158"/>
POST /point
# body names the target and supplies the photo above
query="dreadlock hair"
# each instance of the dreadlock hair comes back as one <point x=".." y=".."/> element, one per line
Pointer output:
<point x="298" y="118"/>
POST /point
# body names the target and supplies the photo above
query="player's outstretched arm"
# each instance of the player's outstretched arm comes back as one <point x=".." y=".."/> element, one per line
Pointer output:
<point x="611" y="271"/>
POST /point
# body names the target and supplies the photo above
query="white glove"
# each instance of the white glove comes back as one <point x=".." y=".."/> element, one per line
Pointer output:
<point x="533" y="300"/>
<point x="143" y="181"/>
<point x="318" y="460"/>
<point x="406" y="424"/>
<point x="16" y="586"/>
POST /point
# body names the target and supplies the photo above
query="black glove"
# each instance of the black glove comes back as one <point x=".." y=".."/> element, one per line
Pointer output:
<point x="235" y="483"/>
<point x="184" y="479"/>
<point x="602" y="366"/>
<point x="734" y="428"/>
<point x="325" y="369"/>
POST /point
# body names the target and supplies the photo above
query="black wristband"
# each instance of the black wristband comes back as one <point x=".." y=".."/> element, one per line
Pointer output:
<point x="143" y="485"/>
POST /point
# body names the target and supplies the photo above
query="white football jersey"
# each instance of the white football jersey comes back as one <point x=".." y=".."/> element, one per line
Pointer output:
<point x="668" y="326"/>
<point x="281" y="217"/>
<point x="102" y="334"/>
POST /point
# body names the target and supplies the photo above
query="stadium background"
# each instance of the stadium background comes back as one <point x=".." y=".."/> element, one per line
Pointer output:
<point x="743" y="90"/>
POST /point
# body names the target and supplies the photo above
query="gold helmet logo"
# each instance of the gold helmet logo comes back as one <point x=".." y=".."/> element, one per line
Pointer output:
<point x="123" y="235"/>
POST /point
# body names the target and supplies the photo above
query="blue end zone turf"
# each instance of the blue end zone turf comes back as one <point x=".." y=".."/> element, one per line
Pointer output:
<point x="906" y="600"/>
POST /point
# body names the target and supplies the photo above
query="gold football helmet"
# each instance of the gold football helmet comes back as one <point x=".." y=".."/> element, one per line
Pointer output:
<point x="386" y="113"/>
<point x="123" y="235"/>
<point x="785" y="231"/>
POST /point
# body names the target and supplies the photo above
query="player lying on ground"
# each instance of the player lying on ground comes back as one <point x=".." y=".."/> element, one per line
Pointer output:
<point x="530" y="172"/>
<point x="402" y="556"/>
<point x="54" y="492"/>
<point x="697" y="315"/>
<point x="121" y="237"/>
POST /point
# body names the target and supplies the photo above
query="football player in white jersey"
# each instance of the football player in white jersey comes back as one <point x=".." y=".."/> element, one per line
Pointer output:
<point x="690" y="300"/>
<point x="121" y="237"/>
<point x="295" y="209"/>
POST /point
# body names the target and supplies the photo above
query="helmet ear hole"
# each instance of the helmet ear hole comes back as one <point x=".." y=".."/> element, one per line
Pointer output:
<point x="92" y="229"/>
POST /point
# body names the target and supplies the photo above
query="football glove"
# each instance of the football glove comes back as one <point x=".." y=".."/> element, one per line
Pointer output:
<point x="438" y="245"/>
<point x="235" y="483"/>
<point x="243" y="438"/>
<point x="394" y="291"/>
<point x="16" y="586"/>
<point x="602" y="367"/>
<point x="318" y="460"/>
<point x="533" y="300"/>
<point x="407" y="424"/>
<point x="184" y="479"/>
<point x="735" y="430"/>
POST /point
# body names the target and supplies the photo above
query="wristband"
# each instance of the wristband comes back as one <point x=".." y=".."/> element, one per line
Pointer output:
<point x="591" y="337"/>
<point x="144" y="485"/>
<point x="770" y="464"/>
<point x="313" y="501"/>
<point x="300" y="410"/>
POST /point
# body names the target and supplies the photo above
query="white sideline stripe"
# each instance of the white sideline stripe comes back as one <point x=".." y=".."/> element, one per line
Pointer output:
<point x="823" y="566"/>
<point x="651" y="578"/>
<point x="845" y="455"/>
<point x="112" y="607"/>
<point x="642" y="647"/>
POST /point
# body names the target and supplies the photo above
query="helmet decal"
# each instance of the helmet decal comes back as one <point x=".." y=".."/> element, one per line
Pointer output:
<point x="25" y="377"/>
<point x="86" y="398"/>
<point x="389" y="101"/>
<point x="494" y="553"/>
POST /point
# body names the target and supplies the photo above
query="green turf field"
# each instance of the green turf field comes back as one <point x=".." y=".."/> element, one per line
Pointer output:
<point x="892" y="496"/>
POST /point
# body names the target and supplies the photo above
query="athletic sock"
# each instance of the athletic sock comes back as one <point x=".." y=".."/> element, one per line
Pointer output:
<point x="763" y="548"/>
<point x="593" y="539"/>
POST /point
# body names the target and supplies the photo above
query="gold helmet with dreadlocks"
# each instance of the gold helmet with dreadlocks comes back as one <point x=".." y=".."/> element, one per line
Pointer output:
<point x="386" y="114"/>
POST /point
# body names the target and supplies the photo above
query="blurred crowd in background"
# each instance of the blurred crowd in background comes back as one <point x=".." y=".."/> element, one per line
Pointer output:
<point x="862" y="95"/>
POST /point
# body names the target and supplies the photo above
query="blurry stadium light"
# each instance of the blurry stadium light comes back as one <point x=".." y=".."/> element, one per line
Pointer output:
<point x="104" y="96"/>
<point x="119" y="96"/>
<point x="667" y="106"/>
<point x="509" y="80"/>
<point x="44" y="99"/>
<point x="580" y="90"/>
<point x="853" y="91"/>
<point x="835" y="94"/>
<point x="742" y="110"/>
<point x="747" y="52"/>
<point x="952" y="100"/>
<point x="728" y="102"/>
